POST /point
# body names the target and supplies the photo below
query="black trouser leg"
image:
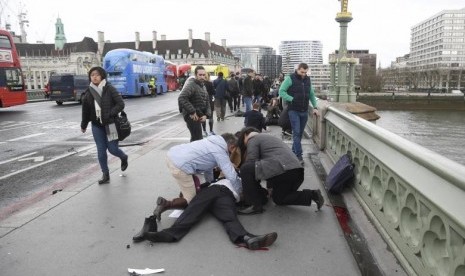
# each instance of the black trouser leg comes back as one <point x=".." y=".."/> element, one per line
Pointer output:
<point x="193" y="213"/>
<point x="195" y="128"/>
<point x="285" y="188"/>
<point x="251" y="188"/>
<point x="224" y="209"/>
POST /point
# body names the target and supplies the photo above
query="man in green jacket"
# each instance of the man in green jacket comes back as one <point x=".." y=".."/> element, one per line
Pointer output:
<point x="296" y="90"/>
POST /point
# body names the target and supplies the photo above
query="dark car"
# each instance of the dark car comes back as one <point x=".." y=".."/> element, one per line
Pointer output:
<point x="67" y="87"/>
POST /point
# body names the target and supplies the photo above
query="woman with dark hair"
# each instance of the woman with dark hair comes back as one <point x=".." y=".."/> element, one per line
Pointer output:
<point x="100" y="105"/>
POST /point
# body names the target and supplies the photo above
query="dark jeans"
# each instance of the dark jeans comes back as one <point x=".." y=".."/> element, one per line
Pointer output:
<point x="220" y="202"/>
<point x="236" y="102"/>
<point x="101" y="140"/>
<point x="195" y="128"/>
<point x="284" y="187"/>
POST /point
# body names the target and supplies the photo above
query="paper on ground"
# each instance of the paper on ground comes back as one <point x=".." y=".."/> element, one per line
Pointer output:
<point x="146" y="271"/>
<point x="176" y="213"/>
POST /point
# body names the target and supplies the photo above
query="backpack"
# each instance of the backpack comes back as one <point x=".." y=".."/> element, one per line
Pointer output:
<point x="341" y="175"/>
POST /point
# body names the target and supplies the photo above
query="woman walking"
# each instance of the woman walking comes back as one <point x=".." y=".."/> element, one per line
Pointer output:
<point x="100" y="105"/>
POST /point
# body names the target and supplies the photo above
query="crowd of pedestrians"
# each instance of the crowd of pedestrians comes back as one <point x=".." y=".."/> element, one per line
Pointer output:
<point x="220" y="174"/>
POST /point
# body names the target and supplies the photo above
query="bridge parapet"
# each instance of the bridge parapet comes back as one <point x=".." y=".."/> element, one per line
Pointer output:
<point x="415" y="197"/>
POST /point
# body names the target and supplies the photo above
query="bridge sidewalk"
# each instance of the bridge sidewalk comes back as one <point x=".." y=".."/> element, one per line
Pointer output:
<point x="86" y="229"/>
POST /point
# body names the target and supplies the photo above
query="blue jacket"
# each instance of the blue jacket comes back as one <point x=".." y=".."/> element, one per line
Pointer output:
<point x="202" y="156"/>
<point x="221" y="86"/>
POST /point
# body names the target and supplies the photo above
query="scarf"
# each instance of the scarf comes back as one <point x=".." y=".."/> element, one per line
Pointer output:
<point x="110" y="129"/>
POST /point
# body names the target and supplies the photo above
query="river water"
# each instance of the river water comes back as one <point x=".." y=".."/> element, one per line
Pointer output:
<point x="440" y="131"/>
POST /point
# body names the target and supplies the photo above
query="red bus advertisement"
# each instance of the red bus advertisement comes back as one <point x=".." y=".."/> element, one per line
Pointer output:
<point x="171" y="76"/>
<point x="12" y="90"/>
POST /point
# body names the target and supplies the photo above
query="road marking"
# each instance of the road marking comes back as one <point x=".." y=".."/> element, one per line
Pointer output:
<point x="35" y="158"/>
<point x="25" y="137"/>
<point x="16" y="158"/>
<point x="37" y="124"/>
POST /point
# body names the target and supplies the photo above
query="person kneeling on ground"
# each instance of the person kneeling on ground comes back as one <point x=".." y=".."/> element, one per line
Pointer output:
<point x="220" y="200"/>
<point x="269" y="158"/>
<point x="202" y="156"/>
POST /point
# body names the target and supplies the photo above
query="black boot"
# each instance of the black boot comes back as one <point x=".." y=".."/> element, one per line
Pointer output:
<point x="164" y="204"/>
<point x="105" y="178"/>
<point x="124" y="163"/>
<point x="150" y="225"/>
<point x="253" y="242"/>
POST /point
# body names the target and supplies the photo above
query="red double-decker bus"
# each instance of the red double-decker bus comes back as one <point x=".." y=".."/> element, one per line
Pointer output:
<point x="12" y="91"/>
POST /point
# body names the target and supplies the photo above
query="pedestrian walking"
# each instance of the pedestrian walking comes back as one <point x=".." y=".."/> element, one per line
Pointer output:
<point x="297" y="91"/>
<point x="194" y="103"/>
<point x="221" y="96"/>
<point x="101" y="111"/>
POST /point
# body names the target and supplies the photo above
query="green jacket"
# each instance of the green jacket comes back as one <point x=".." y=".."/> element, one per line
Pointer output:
<point x="288" y="98"/>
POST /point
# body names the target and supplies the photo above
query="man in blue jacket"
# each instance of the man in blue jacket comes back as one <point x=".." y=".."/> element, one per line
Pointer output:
<point x="297" y="91"/>
<point x="202" y="156"/>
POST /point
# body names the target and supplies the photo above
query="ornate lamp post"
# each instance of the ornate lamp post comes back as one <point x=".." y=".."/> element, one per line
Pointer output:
<point x="342" y="89"/>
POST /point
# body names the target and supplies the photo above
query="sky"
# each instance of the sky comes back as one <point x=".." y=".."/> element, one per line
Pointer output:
<point x="380" y="26"/>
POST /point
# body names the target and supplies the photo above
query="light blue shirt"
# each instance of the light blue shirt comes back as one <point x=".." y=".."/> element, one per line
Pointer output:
<point x="202" y="156"/>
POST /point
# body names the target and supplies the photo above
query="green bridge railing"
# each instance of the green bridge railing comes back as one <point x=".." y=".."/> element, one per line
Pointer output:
<point x="415" y="197"/>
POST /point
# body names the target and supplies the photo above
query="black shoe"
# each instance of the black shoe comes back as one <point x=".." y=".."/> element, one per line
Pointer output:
<point x="105" y="178"/>
<point x="124" y="164"/>
<point x="318" y="198"/>
<point x="251" y="210"/>
<point x="256" y="242"/>
<point x="150" y="225"/>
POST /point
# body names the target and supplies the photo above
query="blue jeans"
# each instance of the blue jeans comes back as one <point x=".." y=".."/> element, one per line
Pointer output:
<point x="298" y="121"/>
<point x="248" y="103"/>
<point x="101" y="140"/>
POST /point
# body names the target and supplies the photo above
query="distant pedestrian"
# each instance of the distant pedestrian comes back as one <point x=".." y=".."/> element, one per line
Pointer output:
<point x="101" y="110"/>
<point x="248" y="90"/>
<point x="194" y="103"/>
<point x="211" y="94"/>
<point x="221" y="96"/>
<point x="297" y="91"/>
<point x="234" y="92"/>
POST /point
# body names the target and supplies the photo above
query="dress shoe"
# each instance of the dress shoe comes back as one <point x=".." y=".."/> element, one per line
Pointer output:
<point x="251" y="210"/>
<point x="318" y="198"/>
<point x="164" y="204"/>
<point x="124" y="164"/>
<point x="105" y="178"/>
<point x="150" y="225"/>
<point x="253" y="242"/>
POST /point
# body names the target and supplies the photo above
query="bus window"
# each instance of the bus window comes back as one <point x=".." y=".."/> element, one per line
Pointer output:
<point x="11" y="78"/>
<point x="5" y="42"/>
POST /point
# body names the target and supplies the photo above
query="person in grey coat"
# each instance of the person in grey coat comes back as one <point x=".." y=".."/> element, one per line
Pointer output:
<point x="194" y="103"/>
<point x="269" y="158"/>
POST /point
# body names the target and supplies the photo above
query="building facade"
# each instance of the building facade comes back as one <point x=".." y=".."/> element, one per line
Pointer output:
<point x="41" y="60"/>
<point x="257" y="57"/>
<point x="294" y="52"/>
<point x="437" y="51"/>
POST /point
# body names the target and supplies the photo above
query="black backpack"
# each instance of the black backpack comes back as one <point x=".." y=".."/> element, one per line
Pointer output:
<point x="341" y="175"/>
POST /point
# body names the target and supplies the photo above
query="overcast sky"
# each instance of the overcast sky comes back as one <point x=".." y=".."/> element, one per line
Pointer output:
<point x="381" y="26"/>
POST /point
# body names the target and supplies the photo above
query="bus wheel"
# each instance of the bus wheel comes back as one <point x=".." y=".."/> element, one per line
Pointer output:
<point x="142" y="91"/>
<point x="59" y="102"/>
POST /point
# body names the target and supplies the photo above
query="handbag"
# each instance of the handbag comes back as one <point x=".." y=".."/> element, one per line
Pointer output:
<point x="123" y="126"/>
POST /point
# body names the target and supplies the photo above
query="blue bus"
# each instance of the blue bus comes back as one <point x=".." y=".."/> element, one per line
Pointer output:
<point x="131" y="71"/>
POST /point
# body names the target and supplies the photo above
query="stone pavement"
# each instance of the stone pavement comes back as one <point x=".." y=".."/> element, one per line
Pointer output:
<point x="87" y="228"/>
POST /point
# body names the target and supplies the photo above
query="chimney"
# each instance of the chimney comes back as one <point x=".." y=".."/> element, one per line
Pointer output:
<point x="223" y="43"/>
<point x="163" y="37"/>
<point x="154" y="40"/>
<point x="137" y="40"/>
<point x="100" y="42"/>
<point x="207" y="38"/>
<point x="190" y="38"/>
